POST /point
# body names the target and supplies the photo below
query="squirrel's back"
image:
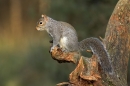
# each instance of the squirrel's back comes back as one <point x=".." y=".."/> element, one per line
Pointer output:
<point x="69" y="34"/>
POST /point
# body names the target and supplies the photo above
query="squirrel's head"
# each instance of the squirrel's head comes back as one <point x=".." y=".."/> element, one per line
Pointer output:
<point x="41" y="24"/>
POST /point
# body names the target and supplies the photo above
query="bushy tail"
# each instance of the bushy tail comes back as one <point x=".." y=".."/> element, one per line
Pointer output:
<point x="98" y="49"/>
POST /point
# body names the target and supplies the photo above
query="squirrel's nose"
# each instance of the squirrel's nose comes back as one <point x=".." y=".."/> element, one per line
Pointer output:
<point x="37" y="28"/>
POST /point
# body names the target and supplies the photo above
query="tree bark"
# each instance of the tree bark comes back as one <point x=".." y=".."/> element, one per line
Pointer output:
<point x="117" y="41"/>
<point x="117" y="44"/>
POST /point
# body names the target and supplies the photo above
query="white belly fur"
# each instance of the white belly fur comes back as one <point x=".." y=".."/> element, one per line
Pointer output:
<point x="63" y="42"/>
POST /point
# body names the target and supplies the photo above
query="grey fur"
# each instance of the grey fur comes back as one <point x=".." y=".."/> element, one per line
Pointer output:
<point x="98" y="49"/>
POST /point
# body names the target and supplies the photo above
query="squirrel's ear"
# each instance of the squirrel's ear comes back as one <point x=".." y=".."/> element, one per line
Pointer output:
<point x="42" y="15"/>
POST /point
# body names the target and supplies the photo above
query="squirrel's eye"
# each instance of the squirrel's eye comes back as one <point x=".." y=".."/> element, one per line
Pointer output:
<point x="40" y="22"/>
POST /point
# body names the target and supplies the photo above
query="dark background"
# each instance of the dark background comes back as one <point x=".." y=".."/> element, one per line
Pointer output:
<point x="24" y="56"/>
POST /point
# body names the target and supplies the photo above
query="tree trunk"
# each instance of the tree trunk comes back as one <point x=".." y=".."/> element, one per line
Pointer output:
<point x="117" y="39"/>
<point x="16" y="18"/>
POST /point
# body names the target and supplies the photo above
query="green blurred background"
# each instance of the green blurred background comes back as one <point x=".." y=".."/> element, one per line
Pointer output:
<point x="24" y="56"/>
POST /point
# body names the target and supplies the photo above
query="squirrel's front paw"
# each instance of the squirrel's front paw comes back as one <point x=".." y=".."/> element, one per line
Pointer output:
<point x="51" y="41"/>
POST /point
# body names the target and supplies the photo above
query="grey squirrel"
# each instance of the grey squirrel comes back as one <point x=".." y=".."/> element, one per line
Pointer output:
<point x="64" y="35"/>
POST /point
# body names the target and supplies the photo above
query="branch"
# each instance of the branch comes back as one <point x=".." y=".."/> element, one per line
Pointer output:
<point x="85" y="74"/>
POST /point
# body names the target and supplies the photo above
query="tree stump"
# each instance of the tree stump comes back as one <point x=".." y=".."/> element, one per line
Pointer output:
<point x="117" y="42"/>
